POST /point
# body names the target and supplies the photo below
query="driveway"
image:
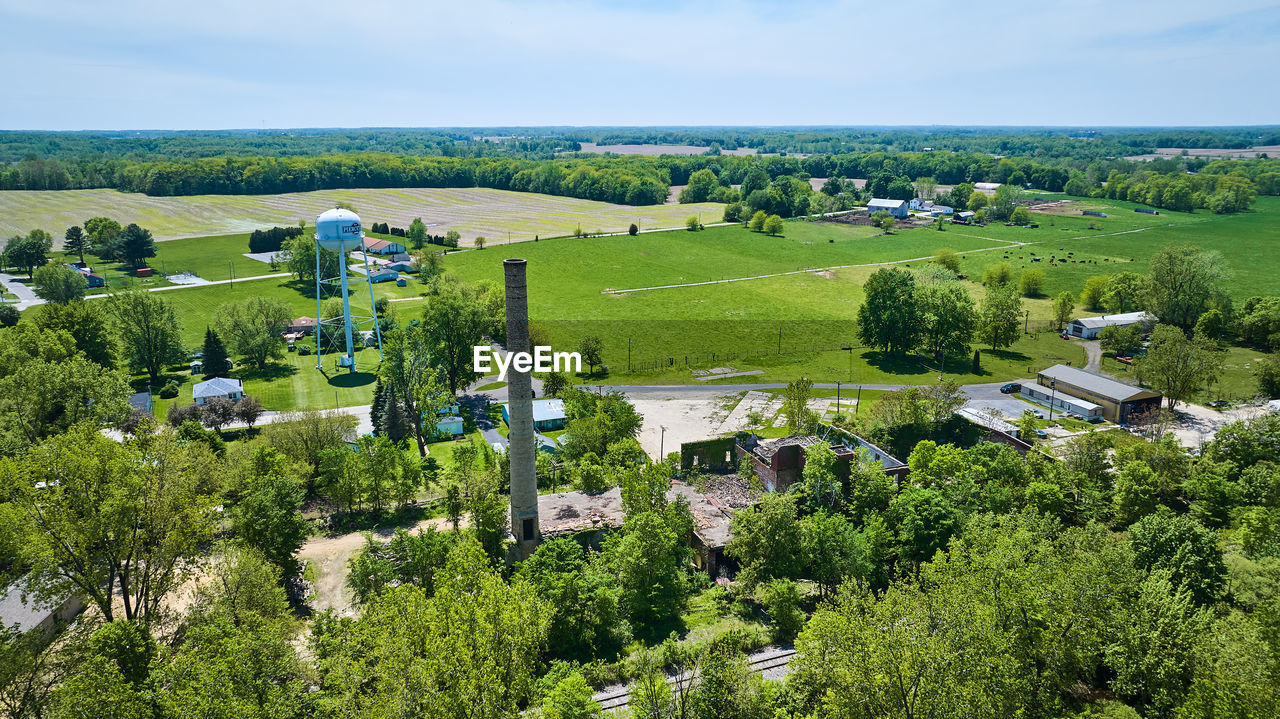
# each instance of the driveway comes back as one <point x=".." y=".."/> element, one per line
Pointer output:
<point x="17" y="285"/>
<point x="1197" y="425"/>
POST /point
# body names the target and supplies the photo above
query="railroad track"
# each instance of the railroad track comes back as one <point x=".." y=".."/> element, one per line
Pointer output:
<point x="619" y="698"/>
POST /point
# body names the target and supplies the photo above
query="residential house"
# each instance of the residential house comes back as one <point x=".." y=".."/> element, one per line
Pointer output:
<point x="232" y="389"/>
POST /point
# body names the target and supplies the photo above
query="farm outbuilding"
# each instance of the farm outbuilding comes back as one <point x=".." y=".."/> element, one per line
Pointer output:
<point x="383" y="276"/>
<point x="232" y="389"/>
<point x="548" y="415"/>
<point x="1088" y="327"/>
<point x="1116" y="400"/>
<point x="896" y="208"/>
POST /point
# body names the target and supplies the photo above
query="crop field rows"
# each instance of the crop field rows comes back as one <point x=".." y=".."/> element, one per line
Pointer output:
<point x="472" y="211"/>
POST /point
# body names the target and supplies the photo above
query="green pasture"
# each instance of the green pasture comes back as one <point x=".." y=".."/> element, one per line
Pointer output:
<point x="1125" y="240"/>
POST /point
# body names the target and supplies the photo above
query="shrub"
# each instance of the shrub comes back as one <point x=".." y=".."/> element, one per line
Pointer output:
<point x="1031" y="283"/>
<point x="781" y="598"/>
<point x="169" y="390"/>
<point x="9" y="315"/>
<point x="633" y="230"/>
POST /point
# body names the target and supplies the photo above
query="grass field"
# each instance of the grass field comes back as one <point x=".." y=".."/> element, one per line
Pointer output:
<point x="472" y="211"/>
<point x="1249" y="243"/>
<point x="783" y="325"/>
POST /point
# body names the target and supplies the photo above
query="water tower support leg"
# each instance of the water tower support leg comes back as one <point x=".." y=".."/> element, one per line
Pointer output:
<point x="346" y="311"/>
<point x="373" y="305"/>
<point x="318" y="325"/>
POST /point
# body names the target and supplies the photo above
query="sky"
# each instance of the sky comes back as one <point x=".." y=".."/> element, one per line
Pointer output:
<point x="215" y="64"/>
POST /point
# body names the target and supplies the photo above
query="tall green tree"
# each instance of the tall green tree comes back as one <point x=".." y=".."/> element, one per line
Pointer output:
<point x="415" y="379"/>
<point x="252" y="327"/>
<point x="135" y="245"/>
<point x="766" y="540"/>
<point x="214" y="354"/>
<point x="30" y="251"/>
<point x="59" y="283"/>
<point x="90" y="327"/>
<point x="417" y="233"/>
<point x="999" y="315"/>
<point x="1125" y="292"/>
<point x="454" y="323"/>
<point x="1183" y="281"/>
<point x="700" y="186"/>
<point x="269" y="519"/>
<point x="75" y="240"/>
<point x="111" y="521"/>
<point x="1064" y="305"/>
<point x="1176" y="366"/>
<point x="148" y="330"/>
<point x="889" y="318"/>
<point x="949" y="319"/>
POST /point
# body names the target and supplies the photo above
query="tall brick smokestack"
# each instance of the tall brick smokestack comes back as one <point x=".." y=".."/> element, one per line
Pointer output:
<point x="524" y="481"/>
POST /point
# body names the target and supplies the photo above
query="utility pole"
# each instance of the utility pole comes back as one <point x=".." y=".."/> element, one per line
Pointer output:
<point x="233" y="272"/>
<point x="1053" y="386"/>
<point x="779" y="339"/>
<point x="850" y="351"/>
<point x="662" y="443"/>
<point x="1026" y="325"/>
<point x="628" y="354"/>
<point x="857" y="403"/>
<point x="837" y="396"/>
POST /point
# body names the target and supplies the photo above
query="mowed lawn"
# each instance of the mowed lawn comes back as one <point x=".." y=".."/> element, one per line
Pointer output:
<point x="472" y="211"/>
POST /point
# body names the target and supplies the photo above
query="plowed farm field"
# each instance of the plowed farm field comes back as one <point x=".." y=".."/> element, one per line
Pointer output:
<point x="472" y="211"/>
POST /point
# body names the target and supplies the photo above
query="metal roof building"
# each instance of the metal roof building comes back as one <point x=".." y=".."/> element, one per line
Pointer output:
<point x="548" y="414"/>
<point x="897" y="208"/>
<point x="1089" y="327"/>
<point x="1117" y="399"/>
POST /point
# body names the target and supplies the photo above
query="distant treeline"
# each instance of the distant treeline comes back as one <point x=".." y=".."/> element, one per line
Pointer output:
<point x="540" y="143"/>
<point x="1222" y="186"/>
<point x="631" y="180"/>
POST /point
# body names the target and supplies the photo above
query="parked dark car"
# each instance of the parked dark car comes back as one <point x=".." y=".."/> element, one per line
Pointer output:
<point x="1011" y="388"/>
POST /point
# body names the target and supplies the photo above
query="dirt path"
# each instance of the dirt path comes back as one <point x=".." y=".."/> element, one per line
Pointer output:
<point x="1093" y="350"/>
<point x="329" y="556"/>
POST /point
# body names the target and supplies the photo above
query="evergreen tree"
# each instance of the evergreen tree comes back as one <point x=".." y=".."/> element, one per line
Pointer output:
<point x="394" y="422"/>
<point x="75" y="241"/>
<point x="216" y="361"/>
<point x="378" y="406"/>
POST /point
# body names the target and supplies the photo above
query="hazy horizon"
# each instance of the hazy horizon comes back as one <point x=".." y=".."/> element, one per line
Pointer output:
<point x="234" y="64"/>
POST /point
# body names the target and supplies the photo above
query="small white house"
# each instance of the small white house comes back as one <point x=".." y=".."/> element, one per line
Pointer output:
<point x="1089" y="327"/>
<point x="232" y="389"/>
<point x="896" y="208"/>
<point x="919" y="205"/>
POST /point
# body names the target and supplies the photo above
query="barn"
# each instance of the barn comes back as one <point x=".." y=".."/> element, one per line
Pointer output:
<point x="896" y="208"/>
